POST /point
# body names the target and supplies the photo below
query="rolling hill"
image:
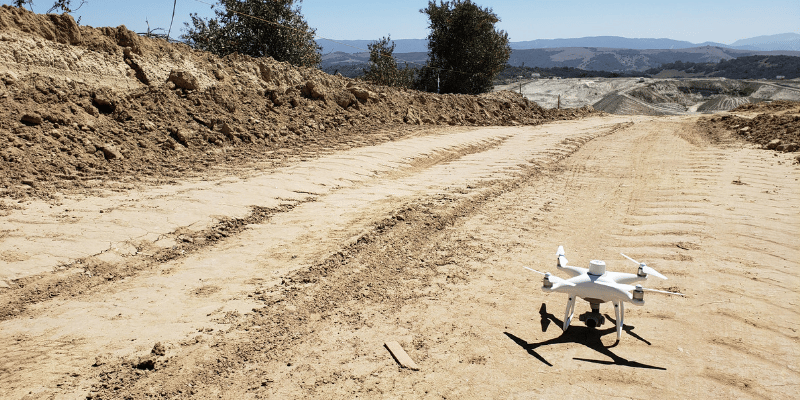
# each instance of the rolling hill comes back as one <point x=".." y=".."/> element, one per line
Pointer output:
<point x="783" y="41"/>
<point x="586" y="58"/>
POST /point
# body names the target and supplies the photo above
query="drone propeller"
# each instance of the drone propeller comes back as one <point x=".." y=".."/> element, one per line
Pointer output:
<point x="562" y="260"/>
<point x="647" y="270"/>
<point x="556" y="280"/>
<point x="538" y="272"/>
<point x="663" y="291"/>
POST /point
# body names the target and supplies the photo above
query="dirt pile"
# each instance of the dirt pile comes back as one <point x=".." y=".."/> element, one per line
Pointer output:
<point x="775" y="127"/>
<point x="81" y="105"/>
<point x="773" y="106"/>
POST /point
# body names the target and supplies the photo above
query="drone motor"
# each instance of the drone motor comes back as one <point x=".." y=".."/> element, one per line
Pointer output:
<point x="638" y="293"/>
<point x="546" y="282"/>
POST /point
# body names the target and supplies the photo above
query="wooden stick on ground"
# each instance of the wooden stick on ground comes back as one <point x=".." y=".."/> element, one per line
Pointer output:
<point x="401" y="356"/>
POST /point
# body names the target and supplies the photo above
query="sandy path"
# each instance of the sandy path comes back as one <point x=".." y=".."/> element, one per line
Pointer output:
<point x="42" y="237"/>
<point x="335" y="199"/>
<point x="721" y="221"/>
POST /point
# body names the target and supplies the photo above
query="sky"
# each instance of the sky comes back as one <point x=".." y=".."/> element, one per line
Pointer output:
<point x="694" y="21"/>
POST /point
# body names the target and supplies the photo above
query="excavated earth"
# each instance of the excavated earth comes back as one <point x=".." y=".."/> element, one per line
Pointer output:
<point x="176" y="225"/>
<point x="81" y="106"/>
<point x="773" y="126"/>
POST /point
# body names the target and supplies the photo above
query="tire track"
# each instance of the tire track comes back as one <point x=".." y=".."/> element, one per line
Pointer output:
<point x="234" y="275"/>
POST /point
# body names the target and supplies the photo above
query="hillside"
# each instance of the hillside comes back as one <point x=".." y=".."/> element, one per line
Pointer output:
<point x="605" y="59"/>
<point x="585" y="58"/>
<point x="782" y="42"/>
<point x="750" y="67"/>
<point x="81" y="105"/>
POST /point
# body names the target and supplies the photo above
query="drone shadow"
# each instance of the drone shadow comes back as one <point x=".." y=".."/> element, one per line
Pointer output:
<point x="588" y="337"/>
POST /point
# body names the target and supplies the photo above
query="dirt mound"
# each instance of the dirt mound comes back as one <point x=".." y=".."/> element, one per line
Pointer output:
<point x="83" y="105"/>
<point x="776" y="128"/>
<point x="779" y="105"/>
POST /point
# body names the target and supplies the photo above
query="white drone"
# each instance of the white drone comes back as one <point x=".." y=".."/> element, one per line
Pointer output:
<point x="596" y="285"/>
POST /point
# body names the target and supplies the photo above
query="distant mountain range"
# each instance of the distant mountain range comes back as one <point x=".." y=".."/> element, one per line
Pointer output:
<point x="586" y="58"/>
<point x="602" y="53"/>
<point x="628" y="60"/>
<point x="780" y="42"/>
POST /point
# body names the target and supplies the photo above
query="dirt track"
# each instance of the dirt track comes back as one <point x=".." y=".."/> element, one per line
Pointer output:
<point x="422" y="240"/>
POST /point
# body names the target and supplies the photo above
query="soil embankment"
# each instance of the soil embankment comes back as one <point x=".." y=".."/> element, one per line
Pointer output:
<point x="773" y="126"/>
<point x="83" y="105"/>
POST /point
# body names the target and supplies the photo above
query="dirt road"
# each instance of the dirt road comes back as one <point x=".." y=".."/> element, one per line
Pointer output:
<point x="421" y="241"/>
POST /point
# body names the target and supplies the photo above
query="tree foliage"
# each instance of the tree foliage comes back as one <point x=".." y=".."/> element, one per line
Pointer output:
<point x="258" y="28"/>
<point x="383" y="68"/>
<point x="63" y="5"/>
<point x="465" y="51"/>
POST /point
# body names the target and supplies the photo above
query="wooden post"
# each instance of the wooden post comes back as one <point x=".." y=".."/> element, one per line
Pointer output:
<point x="559" y="103"/>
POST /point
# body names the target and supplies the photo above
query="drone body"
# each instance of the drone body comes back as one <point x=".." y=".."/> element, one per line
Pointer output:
<point x="597" y="286"/>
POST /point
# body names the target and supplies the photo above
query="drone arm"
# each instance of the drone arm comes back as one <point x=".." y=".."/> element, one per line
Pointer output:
<point x="562" y="264"/>
<point x="624" y="278"/>
<point x="552" y="283"/>
<point x="573" y="271"/>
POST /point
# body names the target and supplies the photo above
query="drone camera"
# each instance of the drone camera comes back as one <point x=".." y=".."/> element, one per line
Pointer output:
<point x="592" y="319"/>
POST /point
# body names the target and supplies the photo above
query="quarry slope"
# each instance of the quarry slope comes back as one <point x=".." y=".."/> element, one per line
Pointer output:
<point x="654" y="96"/>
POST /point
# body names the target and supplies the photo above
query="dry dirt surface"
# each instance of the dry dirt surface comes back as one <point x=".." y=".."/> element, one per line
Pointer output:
<point x="176" y="225"/>
<point x="773" y="126"/>
<point x="422" y="241"/>
<point x="82" y="106"/>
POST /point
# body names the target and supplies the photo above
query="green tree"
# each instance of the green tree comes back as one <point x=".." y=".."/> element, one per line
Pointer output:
<point x="383" y="69"/>
<point x="258" y="28"/>
<point x="465" y="51"/>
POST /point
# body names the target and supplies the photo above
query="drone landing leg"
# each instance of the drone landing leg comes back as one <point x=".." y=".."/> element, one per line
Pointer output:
<point x="616" y="314"/>
<point x="569" y="312"/>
